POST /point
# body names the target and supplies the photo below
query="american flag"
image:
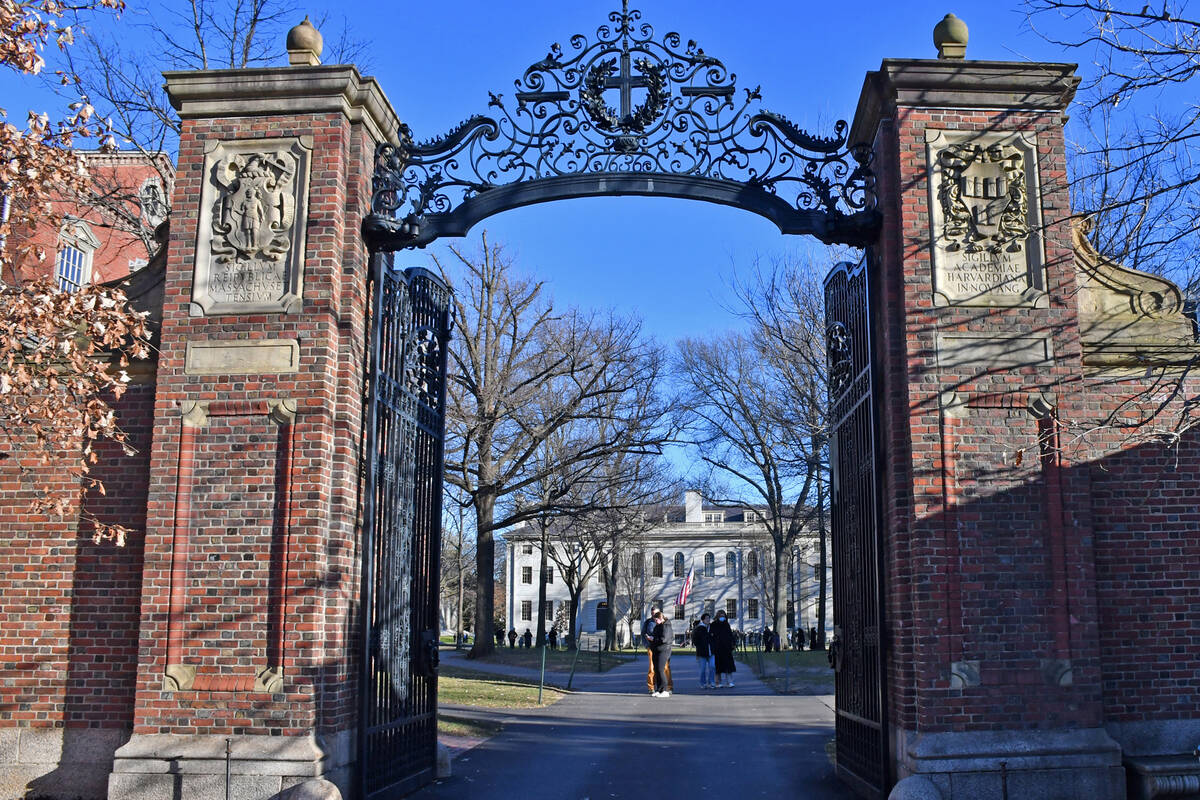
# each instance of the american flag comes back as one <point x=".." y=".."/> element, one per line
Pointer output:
<point x="686" y="589"/>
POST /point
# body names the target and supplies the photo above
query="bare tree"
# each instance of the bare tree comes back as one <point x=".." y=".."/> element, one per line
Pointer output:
<point x="1133" y="165"/>
<point x="112" y="67"/>
<point x="458" y="566"/>
<point x="755" y="404"/>
<point x="784" y="302"/>
<point x="523" y="374"/>
<point x="634" y="484"/>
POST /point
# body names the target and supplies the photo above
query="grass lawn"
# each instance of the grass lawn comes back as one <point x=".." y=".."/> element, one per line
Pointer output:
<point x="468" y="688"/>
<point x="559" y="660"/>
<point x="809" y="671"/>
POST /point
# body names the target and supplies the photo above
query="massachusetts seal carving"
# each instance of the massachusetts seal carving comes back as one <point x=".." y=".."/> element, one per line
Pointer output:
<point x="250" y="252"/>
<point x="256" y="209"/>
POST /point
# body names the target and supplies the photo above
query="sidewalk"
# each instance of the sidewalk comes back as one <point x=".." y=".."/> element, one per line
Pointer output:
<point x="744" y="742"/>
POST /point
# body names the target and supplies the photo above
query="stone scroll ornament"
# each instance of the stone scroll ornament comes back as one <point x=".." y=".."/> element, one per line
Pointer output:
<point x="250" y="257"/>
<point x="987" y="246"/>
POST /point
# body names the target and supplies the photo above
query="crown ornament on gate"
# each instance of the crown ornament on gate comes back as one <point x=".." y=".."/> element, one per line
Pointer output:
<point x="623" y="113"/>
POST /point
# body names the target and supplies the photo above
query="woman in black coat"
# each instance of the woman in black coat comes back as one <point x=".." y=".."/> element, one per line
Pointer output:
<point x="721" y="636"/>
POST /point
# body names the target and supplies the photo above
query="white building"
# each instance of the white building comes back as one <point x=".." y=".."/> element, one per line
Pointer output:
<point x="729" y="550"/>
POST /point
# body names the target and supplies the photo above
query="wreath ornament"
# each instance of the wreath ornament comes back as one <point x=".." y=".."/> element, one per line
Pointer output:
<point x="608" y="119"/>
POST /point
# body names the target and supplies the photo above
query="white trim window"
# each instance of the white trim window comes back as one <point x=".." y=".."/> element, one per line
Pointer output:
<point x="73" y="261"/>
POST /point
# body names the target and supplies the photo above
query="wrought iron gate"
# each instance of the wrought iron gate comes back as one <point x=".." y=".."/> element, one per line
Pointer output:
<point x="858" y="650"/>
<point x="408" y="328"/>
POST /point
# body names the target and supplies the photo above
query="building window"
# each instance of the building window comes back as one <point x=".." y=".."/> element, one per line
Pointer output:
<point x="731" y="608"/>
<point x="714" y="517"/>
<point x="730" y="564"/>
<point x="656" y="604"/>
<point x="791" y="570"/>
<point x="816" y="572"/>
<point x="656" y="565"/>
<point x="710" y="607"/>
<point x="678" y="612"/>
<point x="526" y="574"/>
<point x="527" y="549"/>
<point x="791" y="614"/>
<point x="526" y="610"/>
<point x="549" y="611"/>
<point x="549" y="574"/>
<point x="635" y="564"/>
<point x="752" y="608"/>
<point x="710" y="565"/>
<point x="752" y="564"/>
<point x="73" y="262"/>
<point x="679" y="565"/>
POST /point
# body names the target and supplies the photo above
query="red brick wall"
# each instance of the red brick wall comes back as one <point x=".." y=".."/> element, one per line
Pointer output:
<point x="1146" y="517"/>
<point x="321" y="578"/>
<point x="70" y="607"/>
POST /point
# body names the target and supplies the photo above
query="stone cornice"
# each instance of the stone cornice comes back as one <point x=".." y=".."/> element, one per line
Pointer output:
<point x="267" y="91"/>
<point x="937" y="83"/>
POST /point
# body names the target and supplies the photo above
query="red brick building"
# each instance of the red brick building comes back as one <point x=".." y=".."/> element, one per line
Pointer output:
<point x="111" y="237"/>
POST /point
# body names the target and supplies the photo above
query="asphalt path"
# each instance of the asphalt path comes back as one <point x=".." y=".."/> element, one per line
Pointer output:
<point x="613" y="740"/>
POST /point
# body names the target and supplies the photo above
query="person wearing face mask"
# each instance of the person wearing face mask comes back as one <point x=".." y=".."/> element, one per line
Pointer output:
<point x="721" y="643"/>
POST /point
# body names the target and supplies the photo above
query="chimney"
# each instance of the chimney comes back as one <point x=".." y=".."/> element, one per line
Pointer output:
<point x="693" y="507"/>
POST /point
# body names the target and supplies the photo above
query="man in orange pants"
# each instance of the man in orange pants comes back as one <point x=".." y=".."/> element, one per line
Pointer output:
<point x="648" y="641"/>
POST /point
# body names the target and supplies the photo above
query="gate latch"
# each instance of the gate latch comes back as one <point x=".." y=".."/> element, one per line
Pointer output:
<point x="430" y="656"/>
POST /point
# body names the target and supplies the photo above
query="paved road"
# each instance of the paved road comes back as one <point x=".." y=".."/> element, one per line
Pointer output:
<point x="612" y="740"/>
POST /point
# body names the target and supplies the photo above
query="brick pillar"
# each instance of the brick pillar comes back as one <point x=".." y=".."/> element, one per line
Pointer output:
<point x="250" y="578"/>
<point x="992" y="610"/>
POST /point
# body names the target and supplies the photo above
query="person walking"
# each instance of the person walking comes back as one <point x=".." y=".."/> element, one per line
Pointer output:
<point x="664" y="638"/>
<point x="721" y="636"/>
<point x="704" y="658"/>
<point x="648" y="640"/>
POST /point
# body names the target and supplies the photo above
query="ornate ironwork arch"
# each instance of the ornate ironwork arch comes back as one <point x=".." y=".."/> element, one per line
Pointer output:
<point x="692" y="134"/>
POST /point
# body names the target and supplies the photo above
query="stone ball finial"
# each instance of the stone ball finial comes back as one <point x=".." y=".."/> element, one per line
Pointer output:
<point x="304" y="45"/>
<point x="950" y="37"/>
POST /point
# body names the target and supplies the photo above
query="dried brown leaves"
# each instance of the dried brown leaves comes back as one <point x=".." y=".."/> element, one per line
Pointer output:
<point x="37" y="165"/>
<point x="60" y="354"/>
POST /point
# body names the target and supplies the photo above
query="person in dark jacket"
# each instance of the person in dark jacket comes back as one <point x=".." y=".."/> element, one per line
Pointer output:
<point x="499" y="637"/>
<point x="553" y="638"/>
<point x="648" y="639"/>
<point x="527" y="638"/>
<point x="512" y="637"/>
<point x="704" y="658"/>
<point x="664" y="638"/>
<point x="722" y="650"/>
<point x="767" y="638"/>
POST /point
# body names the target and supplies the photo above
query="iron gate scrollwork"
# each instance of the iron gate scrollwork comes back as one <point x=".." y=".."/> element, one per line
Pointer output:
<point x="408" y="329"/>
<point x="857" y="652"/>
<point x="694" y="134"/>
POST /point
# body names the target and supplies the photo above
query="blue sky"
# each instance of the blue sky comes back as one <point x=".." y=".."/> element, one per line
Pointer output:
<point x="668" y="260"/>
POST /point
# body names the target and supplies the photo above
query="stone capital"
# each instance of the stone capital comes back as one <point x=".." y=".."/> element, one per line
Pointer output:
<point x="284" y="91"/>
<point x="932" y="83"/>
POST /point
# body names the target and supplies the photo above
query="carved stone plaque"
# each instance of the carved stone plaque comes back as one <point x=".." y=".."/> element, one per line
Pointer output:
<point x="253" y="214"/>
<point x="985" y="215"/>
